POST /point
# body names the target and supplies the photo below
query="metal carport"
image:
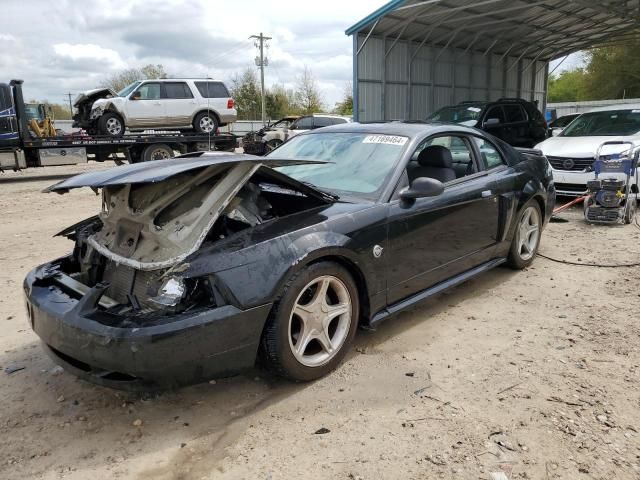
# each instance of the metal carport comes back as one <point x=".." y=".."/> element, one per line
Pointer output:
<point x="411" y="57"/>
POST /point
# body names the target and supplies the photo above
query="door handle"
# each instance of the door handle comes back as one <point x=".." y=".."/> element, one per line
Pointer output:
<point x="157" y="103"/>
<point x="486" y="193"/>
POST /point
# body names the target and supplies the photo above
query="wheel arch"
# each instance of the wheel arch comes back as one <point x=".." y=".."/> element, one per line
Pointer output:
<point x="342" y="257"/>
<point x="358" y="277"/>
<point x="205" y="110"/>
<point x="111" y="108"/>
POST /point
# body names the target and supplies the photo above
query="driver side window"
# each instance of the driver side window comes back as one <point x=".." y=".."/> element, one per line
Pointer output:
<point x="495" y="112"/>
<point x="149" y="91"/>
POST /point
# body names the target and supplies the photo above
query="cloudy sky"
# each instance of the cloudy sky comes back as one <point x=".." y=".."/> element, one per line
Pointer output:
<point x="70" y="46"/>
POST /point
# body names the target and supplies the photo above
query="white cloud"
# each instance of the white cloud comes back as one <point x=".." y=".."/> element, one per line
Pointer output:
<point x="92" y="39"/>
<point x="83" y="51"/>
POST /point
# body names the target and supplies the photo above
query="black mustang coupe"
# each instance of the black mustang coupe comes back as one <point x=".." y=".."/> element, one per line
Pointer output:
<point x="199" y="266"/>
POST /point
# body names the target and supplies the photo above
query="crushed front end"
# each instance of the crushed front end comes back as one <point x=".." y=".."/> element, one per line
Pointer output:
<point x="123" y="308"/>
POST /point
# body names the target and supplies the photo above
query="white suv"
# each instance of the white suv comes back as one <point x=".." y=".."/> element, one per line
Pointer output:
<point x="170" y="104"/>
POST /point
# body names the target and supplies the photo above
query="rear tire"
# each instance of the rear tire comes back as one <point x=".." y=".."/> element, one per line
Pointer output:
<point x="205" y="122"/>
<point x="526" y="239"/>
<point x="159" y="151"/>
<point x="111" y="124"/>
<point x="313" y="323"/>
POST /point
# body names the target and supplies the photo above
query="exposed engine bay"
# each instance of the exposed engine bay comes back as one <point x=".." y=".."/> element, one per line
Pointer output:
<point x="136" y="247"/>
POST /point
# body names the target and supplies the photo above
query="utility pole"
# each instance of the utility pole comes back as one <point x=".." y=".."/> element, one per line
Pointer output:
<point x="261" y="62"/>
<point x="70" y="106"/>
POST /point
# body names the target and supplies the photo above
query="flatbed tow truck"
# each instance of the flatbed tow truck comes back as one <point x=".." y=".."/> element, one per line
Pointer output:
<point x="20" y="148"/>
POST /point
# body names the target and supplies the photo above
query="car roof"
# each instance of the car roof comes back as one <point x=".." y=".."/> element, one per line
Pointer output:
<point x="410" y="129"/>
<point x="330" y="115"/>
<point x="620" y="106"/>
<point x="180" y="79"/>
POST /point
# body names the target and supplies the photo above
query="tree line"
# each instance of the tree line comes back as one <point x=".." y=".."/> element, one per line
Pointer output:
<point x="610" y="73"/>
<point x="304" y="98"/>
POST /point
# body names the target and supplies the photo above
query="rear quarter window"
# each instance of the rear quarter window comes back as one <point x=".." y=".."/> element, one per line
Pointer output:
<point x="212" y="89"/>
<point x="491" y="156"/>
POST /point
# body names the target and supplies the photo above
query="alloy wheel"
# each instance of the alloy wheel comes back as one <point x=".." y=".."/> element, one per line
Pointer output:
<point x="206" y="124"/>
<point x="528" y="233"/>
<point x="114" y="126"/>
<point x="320" y="320"/>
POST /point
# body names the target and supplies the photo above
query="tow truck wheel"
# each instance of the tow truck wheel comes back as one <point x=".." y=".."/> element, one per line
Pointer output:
<point x="159" y="151"/>
<point x="111" y="124"/>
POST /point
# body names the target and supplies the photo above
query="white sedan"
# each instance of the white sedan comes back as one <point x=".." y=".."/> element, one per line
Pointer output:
<point x="572" y="153"/>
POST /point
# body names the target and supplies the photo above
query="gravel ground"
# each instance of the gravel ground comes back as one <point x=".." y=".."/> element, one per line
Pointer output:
<point x="533" y="374"/>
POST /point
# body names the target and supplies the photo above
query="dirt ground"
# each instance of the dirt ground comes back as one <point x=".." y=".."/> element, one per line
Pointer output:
<point x="533" y="374"/>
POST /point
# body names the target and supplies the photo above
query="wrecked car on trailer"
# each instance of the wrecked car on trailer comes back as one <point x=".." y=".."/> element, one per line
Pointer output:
<point x="198" y="266"/>
<point x="83" y="103"/>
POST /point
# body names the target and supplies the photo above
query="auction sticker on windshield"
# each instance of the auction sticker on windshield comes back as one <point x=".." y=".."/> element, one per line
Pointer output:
<point x="386" y="139"/>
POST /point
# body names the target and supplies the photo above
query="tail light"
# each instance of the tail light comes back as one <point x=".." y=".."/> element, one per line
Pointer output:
<point x="230" y="103"/>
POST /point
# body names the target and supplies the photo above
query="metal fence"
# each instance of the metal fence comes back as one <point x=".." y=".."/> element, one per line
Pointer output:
<point x="565" y="108"/>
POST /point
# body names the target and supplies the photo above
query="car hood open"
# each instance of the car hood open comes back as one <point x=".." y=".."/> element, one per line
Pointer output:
<point x="155" y="214"/>
<point x="159" y="170"/>
<point x="93" y="95"/>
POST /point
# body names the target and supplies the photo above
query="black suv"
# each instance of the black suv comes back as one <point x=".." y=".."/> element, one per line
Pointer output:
<point x="514" y="120"/>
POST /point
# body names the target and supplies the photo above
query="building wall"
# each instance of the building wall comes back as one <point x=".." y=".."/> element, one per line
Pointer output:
<point x="403" y="84"/>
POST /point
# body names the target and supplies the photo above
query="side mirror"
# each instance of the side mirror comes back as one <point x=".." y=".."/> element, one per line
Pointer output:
<point x="556" y="131"/>
<point x="491" y="122"/>
<point x="135" y="96"/>
<point x="422" y="187"/>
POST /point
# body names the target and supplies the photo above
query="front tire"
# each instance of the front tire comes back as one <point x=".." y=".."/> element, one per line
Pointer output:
<point x="312" y="324"/>
<point x="272" y="145"/>
<point x="526" y="239"/>
<point x="111" y="124"/>
<point x="205" y="122"/>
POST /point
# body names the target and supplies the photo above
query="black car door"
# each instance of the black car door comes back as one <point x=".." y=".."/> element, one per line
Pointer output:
<point x="504" y="181"/>
<point x="518" y="124"/>
<point x="495" y="123"/>
<point x="438" y="237"/>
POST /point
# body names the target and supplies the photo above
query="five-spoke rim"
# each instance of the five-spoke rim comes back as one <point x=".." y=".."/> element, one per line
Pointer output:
<point x="206" y="124"/>
<point x="320" y="320"/>
<point x="114" y="127"/>
<point x="528" y="233"/>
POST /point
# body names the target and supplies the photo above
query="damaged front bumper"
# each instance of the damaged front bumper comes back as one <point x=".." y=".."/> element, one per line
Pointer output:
<point x="73" y="322"/>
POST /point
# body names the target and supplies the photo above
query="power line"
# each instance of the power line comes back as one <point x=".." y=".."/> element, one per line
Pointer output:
<point x="222" y="56"/>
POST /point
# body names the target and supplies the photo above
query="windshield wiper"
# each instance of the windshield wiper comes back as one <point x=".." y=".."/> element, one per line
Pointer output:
<point x="326" y="193"/>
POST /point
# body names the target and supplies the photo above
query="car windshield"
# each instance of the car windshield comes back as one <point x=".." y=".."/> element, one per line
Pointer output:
<point x="128" y="89"/>
<point x="608" y="123"/>
<point x="284" y="123"/>
<point x="360" y="162"/>
<point x="563" y="121"/>
<point x="457" y="113"/>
